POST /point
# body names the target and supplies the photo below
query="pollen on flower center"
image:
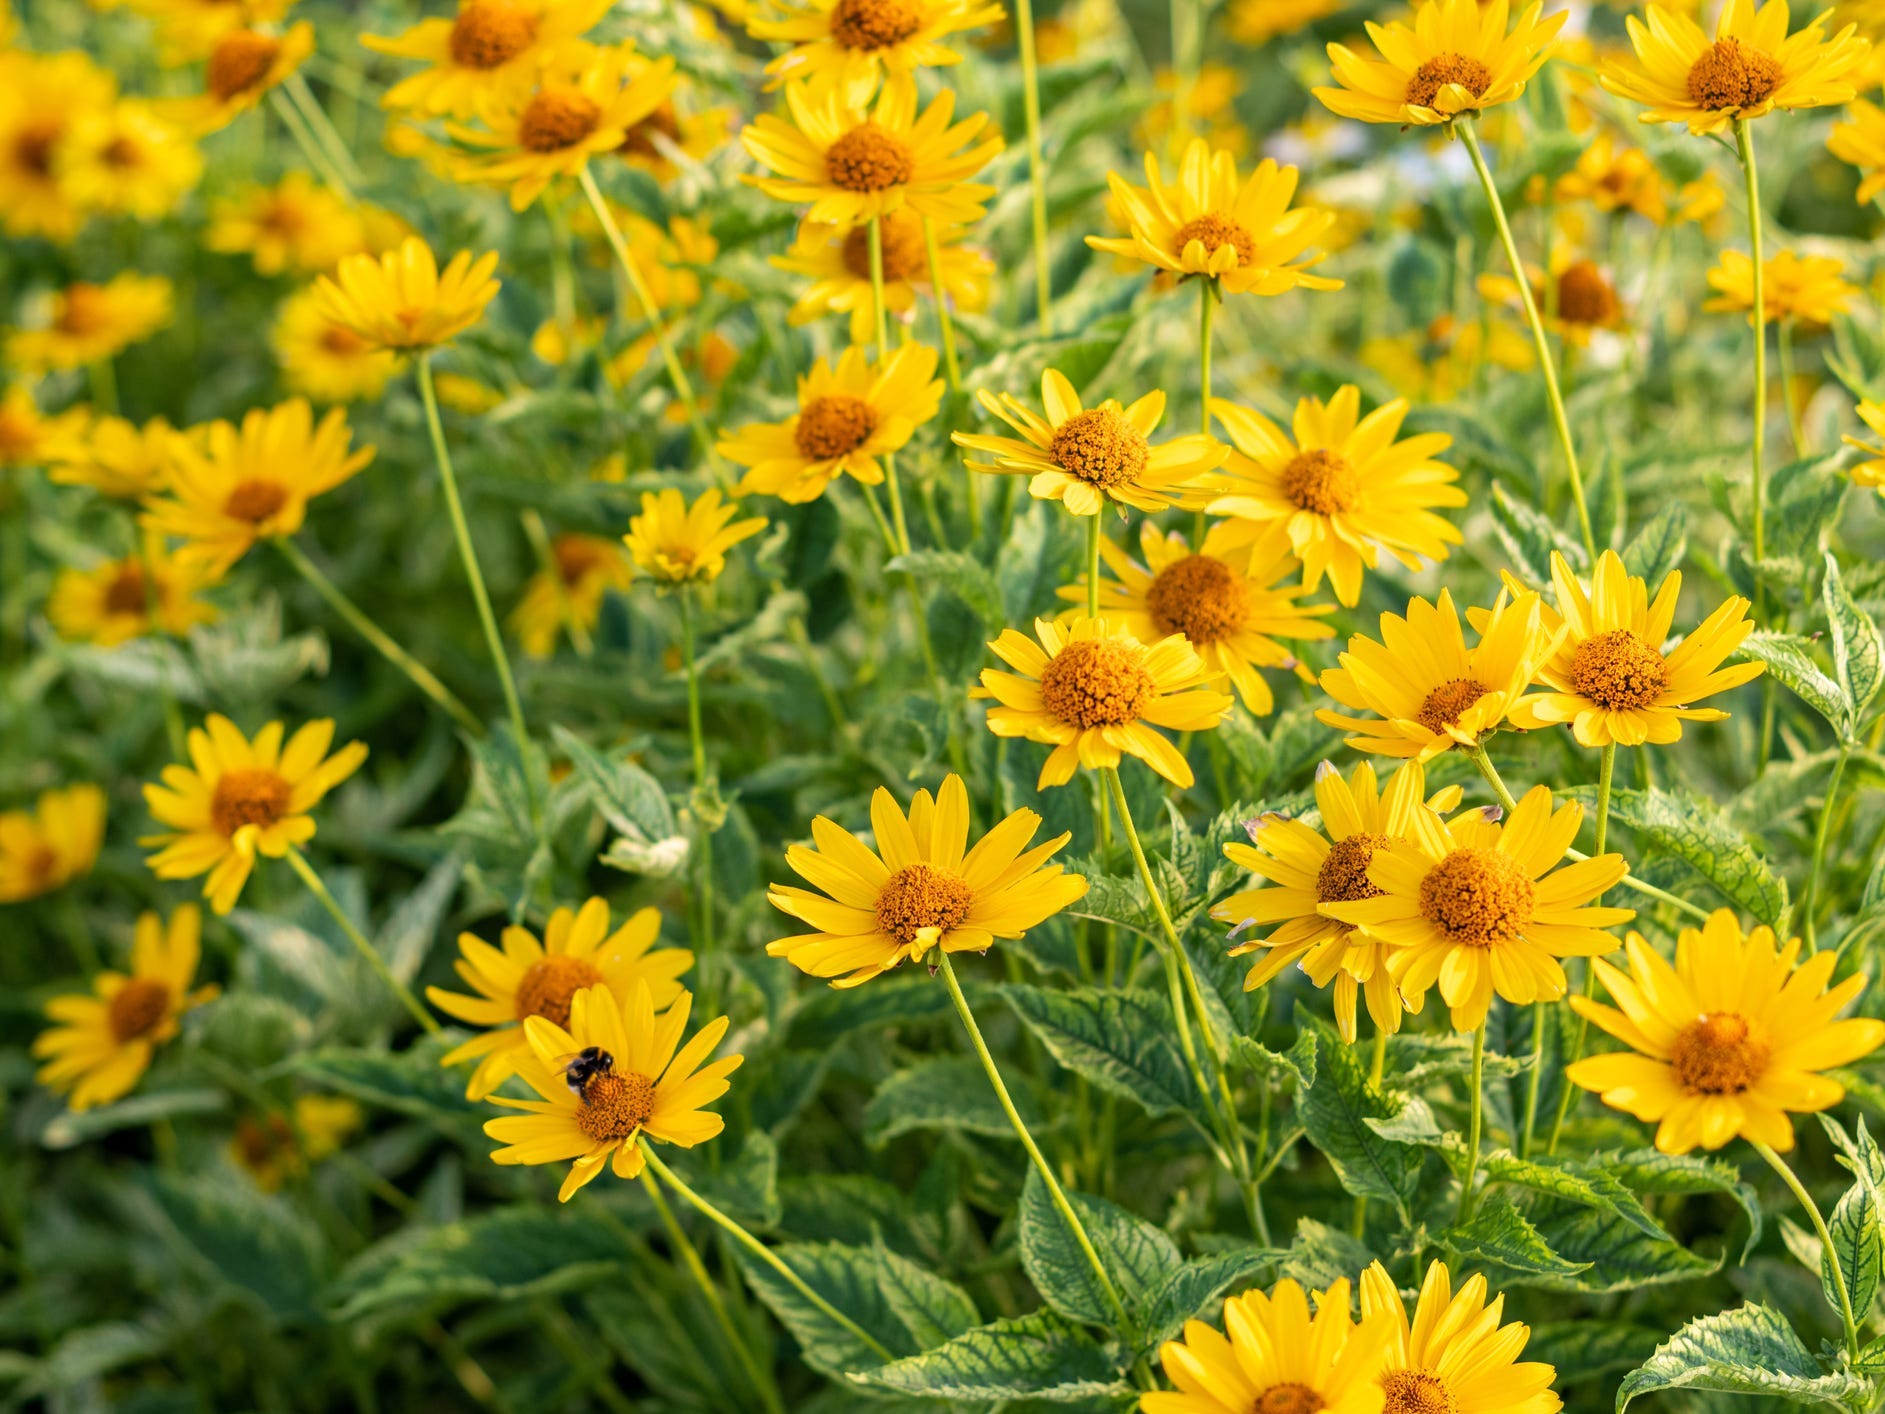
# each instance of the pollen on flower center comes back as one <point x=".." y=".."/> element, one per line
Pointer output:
<point x="491" y="32"/>
<point x="920" y="896"/>
<point x="1416" y="1392"/>
<point x="1585" y="296"/>
<point x="34" y="145"/>
<point x="868" y="159"/>
<point x="1100" y="447"/>
<point x="1617" y="670"/>
<point x="1291" y="1398"/>
<point x="548" y="983"/>
<point x="1321" y="481"/>
<point x="874" y="24"/>
<point x="1343" y="877"/>
<point x="833" y="425"/>
<point x="255" y="500"/>
<point x="127" y="593"/>
<point x="84" y="309"/>
<point x="1731" y="74"/>
<point x="1444" y="69"/>
<point x="556" y="118"/>
<point x="1215" y="230"/>
<point x="615" y="1105"/>
<point x="1199" y="596"/>
<point x="1718" y="1055"/>
<point x="1097" y="682"/>
<point x="1479" y="897"/>
<point x="240" y="61"/>
<point x="248" y="796"/>
<point x="640" y="139"/>
<point x="904" y="255"/>
<point x="136" y="1007"/>
<point x="1447" y="703"/>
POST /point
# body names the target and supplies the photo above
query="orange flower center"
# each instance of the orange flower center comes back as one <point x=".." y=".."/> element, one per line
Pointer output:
<point x="34" y="144"/>
<point x="1718" y="1055"/>
<point x="1416" y="1392"/>
<point x="248" y="796"/>
<point x="903" y="252"/>
<point x="137" y="1007"/>
<point x="1478" y="897"/>
<point x="1097" y="682"/>
<point x="1199" y="596"/>
<point x="1617" y="670"/>
<point x="919" y="896"/>
<point x="1447" y="703"/>
<point x="1100" y="447"/>
<point x="127" y="593"/>
<point x="1343" y="877"/>
<point x="261" y="1142"/>
<point x="576" y="556"/>
<point x="868" y="159"/>
<point x="548" y="983"/>
<point x="1585" y="296"/>
<point x="874" y="24"/>
<point x="83" y="309"/>
<point x="1289" y="1398"/>
<point x="557" y="118"/>
<point x="1444" y="69"/>
<point x="342" y="342"/>
<point x="42" y="866"/>
<point x="1321" y="481"/>
<point x="1214" y="231"/>
<point x="640" y="139"/>
<point x="488" y="33"/>
<point x="122" y="154"/>
<point x="615" y="1105"/>
<point x="240" y="61"/>
<point x="1731" y="74"/>
<point x="255" y="500"/>
<point x="833" y="425"/>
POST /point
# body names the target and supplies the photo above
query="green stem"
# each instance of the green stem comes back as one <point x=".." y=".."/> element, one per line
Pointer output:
<point x="1472" y="1133"/>
<point x="1744" y="144"/>
<point x="1207" y="308"/>
<point x="580" y="1358"/>
<point x="310" y="147"/>
<point x="945" y="323"/>
<point x="1606" y="772"/>
<point x="1093" y="533"/>
<point x="323" y="128"/>
<point x="1779" y="1166"/>
<point x="1809" y="897"/>
<point x="1491" y="773"/>
<point x="698" y="739"/>
<point x="1540" y="1010"/>
<point x="1377" y="1066"/>
<point x="892" y="487"/>
<point x="103" y="377"/>
<point x="1037" y="166"/>
<point x="298" y="862"/>
<point x="1795" y="428"/>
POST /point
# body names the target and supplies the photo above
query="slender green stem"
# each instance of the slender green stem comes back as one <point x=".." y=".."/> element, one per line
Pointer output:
<point x="1037" y="165"/>
<point x="1540" y="1011"/>
<point x="580" y="1358"/>
<point x="892" y="487"/>
<point x="1796" y="429"/>
<point x="1093" y="534"/>
<point x="323" y="128"/>
<point x="1546" y="362"/>
<point x="1744" y="144"/>
<point x="298" y="862"/>
<point x="310" y="146"/>
<point x="1377" y="1066"/>
<point x="1473" y="1128"/>
<point x="1606" y="773"/>
<point x="1491" y="773"/>
<point x="1809" y="897"/>
<point x="945" y="322"/>
<point x="1787" y="1175"/>
<point x="1606" y="770"/>
<point x="703" y="873"/>
<point x="103" y="376"/>
<point x="1207" y="308"/>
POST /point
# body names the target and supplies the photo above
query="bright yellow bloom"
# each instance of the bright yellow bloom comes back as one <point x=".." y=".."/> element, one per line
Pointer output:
<point x="1860" y="141"/>
<point x="1456" y="57"/>
<point x="848" y="417"/>
<point x="1094" y="693"/>
<point x="239" y="798"/>
<point x="29" y="437"/>
<point x="101" y="1045"/>
<point x="1702" y="201"/>
<point x="1575" y="300"/>
<point x="922" y="887"/>
<point x="1615" y="178"/>
<point x="325" y="360"/>
<point x="297" y="226"/>
<point x="1260" y="21"/>
<point x="1209" y="109"/>
<point x="859" y="42"/>
<point x="1806" y="289"/>
<point x="489" y="47"/>
<point x="84" y="323"/>
<point x="128" y="160"/>
<point x="43" y="98"/>
<point x="1750" y="68"/>
<point x="464" y="394"/>
<point x="402" y="301"/>
<point x="277" y="1147"/>
<point x="839" y="264"/>
<point x="1871" y="471"/>
<point x="1454" y="1355"/>
<point x="188" y="29"/>
<point x="1729" y="1041"/>
<point x="569" y="593"/>
<point x="1440" y="362"/>
<point x="117" y="458"/>
<point x="119" y="600"/>
<point x="681" y="544"/>
<point x="652" y="1087"/>
<point x="676" y="133"/>
<point x="239" y="71"/>
<point x="54" y="843"/>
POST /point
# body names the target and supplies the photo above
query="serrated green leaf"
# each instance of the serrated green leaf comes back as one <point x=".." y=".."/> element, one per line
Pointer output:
<point x="1697" y="832"/>
<point x="1530" y="538"/>
<point x="948" y="1093"/>
<point x="1336" y="1111"/>
<point x="1192" y="1290"/>
<point x="1321" y="1255"/>
<point x="1790" y="659"/>
<point x="847" y="1278"/>
<point x="1588" y="1349"/>
<point x="932" y="1309"/>
<point x="1659" y="546"/>
<point x="1498" y="1234"/>
<point x="1858" y="651"/>
<point x="1617" y="1255"/>
<point x="255" y="1242"/>
<point x="632" y="801"/>
<point x="410" y="1082"/>
<point x="68" y="1128"/>
<point x="1121" y="1041"/>
<point x="1137" y="1256"/>
<point x="961" y="575"/>
<point x="1039" y="1356"/>
<point x="1751" y="1350"/>
<point x="1298" y="1062"/>
<point x="1652" y="1171"/>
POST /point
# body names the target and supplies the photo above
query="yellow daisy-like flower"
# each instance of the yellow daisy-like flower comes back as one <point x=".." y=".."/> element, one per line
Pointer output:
<point x="1276" y="1358"/>
<point x="1481" y="907"/>
<point x="1579" y="295"/>
<point x="128" y="160"/>
<point x="569" y="593"/>
<point x="276" y="1147"/>
<point x="1313" y="869"/>
<point x="1094" y="693"/>
<point x="239" y="798"/>
<point x="858" y="42"/>
<point x="1240" y="233"/>
<point x="529" y="978"/>
<point x="52" y="844"/>
<point x="120" y="600"/>
<point x="1615" y="178"/>
<point x="101" y="1044"/>
<point x="42" y="98"/>
<point x="1729" y="1041"/>
<point x="848" y="417"/>
<point x="1087" y="457"/>
<point x="681" y="544"/>
<point x="1454" y="1355"/>
<point x="1860" y="141"/>
<point x="239" y="486"/>
<point x="852" y="165"/>
<point x="85" y="322"/>
<point x="1338" y="488"/>
<point x="1226" y="603"/>
<point x="642" y="1085"/>
<point x="490" y="46"/>
<point x="297" y="225"/>
<point x="467" y="395"/>
<point x="1871" y="471"/>
<point x="188" y="29"/>
<point x="1258" y="22"/>
<point x="921" y="888"/>
<point x="676" y="134"/>
<point x="322" y="358"/>
<point x="240" y="70"/>
<point x="29" y="437"/>
<point x="402" y="301"/>
<point x="1456" y="58"/>
<point x="116" y="457"/>
<point x="838" y="263"/>
<point x="1427" y="690"/>
<point x="1806" y="289"/>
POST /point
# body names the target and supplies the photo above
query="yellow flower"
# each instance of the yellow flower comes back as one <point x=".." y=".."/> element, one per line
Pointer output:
<point x="1337" y="489"/>
<point x="675" y="130"/>
<point x="238" y="798"/>
<point x="240" y="70"/>
<point x="1806" y="289"/>
<point x="54" y="843"/>
<point x="1209" y="105"/>
<point x="1427" y="690"/>
<point x="1438" y="363"/>
<point x="119" y="600"/>
<point x="42" y="98"/>
<point x="1729" y="1041"/>
<point x="296" y="226"/>
<point x="1456" y="57"/>
<point x="1481" y="907"/>
<point x="1094" y="693"/>
<point x="645" y="1090"/>
<point x="1242" y="234"/>
<point x="839" y="264"/>
<point x="1751" y="67"/>
<point x="1871" y="471"/>
<point x="1314" y="869"/>
<point x="1860" y="141"/>
<point x="85" y="323"/>
<point x="1454" y="1355"/>
<point x="466" y="395"/>
<point x="858" y="42"/>
<point x="117" y="458"/>
<point x="569" y="594"/>
<point x="1701" y="201"/>
<point x="852" y="165"/>
<point x="402" y="301"/>
<point x="1277" y="1359"/>
<point x="29" y="437"/>
<point x="1086" y="457"/>
<point x="1579" y="295"/>
<point x="323" y="359"/>
<point x="1225" y="601"/>
<point x="101" y="1045"/>
<point x="489" y="47"/>
<point x="239" y="486"/>
<point x="848" y="417"/>
<point x="530" y="978"/>
<point x="128" y="160"/>
<point x="1614" y="178"/>
<point x="277" y="1147"/>
<point x="922" y="887"/>
<point x="1260" y="21"/>
<point x="188" y="29"/>
<point x="681" y="544"/>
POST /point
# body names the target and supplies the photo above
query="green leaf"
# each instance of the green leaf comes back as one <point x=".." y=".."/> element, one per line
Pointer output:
<point x="1697" y="832"/>
<point x="1615" y="1253"/>
<point x="254" y="1242"/>
<point x="1121" y="1041"/>
<point x="1498" y="1234"/>
<point x="931" y="1308"/>
<point x="847" y="1278"/>
<point x="632" y="801"/>
<point x="1751" y="1350"/>
<point x="950" y="1093"/>
<point x="1858" y="651"/>
<point x="1652" y="1171"/>
<point x="86" y="1354"/>
<point x="1336" y="1111"/>
<point x="1136" y="1255"/>
<point x="1187" y="1291"/>
<point x="745" y="1184"/>
<point x="68" y="1128"/>
<point x="1659" y="546"/>
<point x="1857" y="1223"/>
<point x="409" y="1082"/>
<point x="1790" y="659"/>
<point x="1587" y="1349"/>
<point x="1038" y="1356"/>
<point x="959" y="574"/>
<point x="1322" y="1255"/>
<point x="888" y="1001"/>
<point x="1529" y="538"/>
<point x="1298" y="1062"/>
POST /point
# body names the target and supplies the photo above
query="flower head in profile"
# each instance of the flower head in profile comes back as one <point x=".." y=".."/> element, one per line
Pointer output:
<point x="568" y="592"/>
<point x="1242" y="233"/>
<point x="1729" y="1041"/>
<point x="526" y="978"/>
<point x="676" y="543"/>
<point x="1454" y="1355"/>
<point x="127" y="159"/>
<point x="1860" y="142"/>
<point x="52" y="844"/>
<point x="402" y="301"/>
<point x="296" y="226"/>
<point x="84" y="323"/>
<point x="922" y="887"/>
<point x="1804" y="289"/>
<point x="119" y="600"/>
<point x="273" y="1148"/>
<point x="856" y="42"/>
<point x="240" y="797"/>
<point x="324" y="360"/>
<point x="489" y="47"/>
<point x="1458" y="57"/>
<point x="29" y="437"/>
<point x="100" y="1045"/>
<point x="1613" y="177"/>
<point x="238" y="72"/>
<point x="837" y="262"/>
<point x="643" y="1085"/>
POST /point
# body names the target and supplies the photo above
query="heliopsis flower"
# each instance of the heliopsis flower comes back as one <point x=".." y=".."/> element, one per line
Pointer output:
<point x="116" y="457"/>
<point x="322" y="358"/>
<point x="488" y="47"/>
<point x="1454" y="1355"/>
<point x="1204" y="103"/>
<point x="530" y="978"/>
<point x="1456" y="57"/>
<point x="848" y="417"/>
<point x="1260" y="21"/>
<point x="1860" y="141"/>
<point x="838" y="262"/>
<point x="681" y="544"/>
<point x="465" y="394"/>
<point x="569" y="593"/>
<point x="1806" y="289"/>
<point x="642" y="1087"/>
<point x="852" y="165"/>
<point x="675" y="130"/>
<point x="29" y="437"/>
<point x="1615" y="178"/>
<point x="1094" y="693"/>
<point x="1751" y="67"/>
<point x="52" y="844"/>
<point x="1871" y="471"/>
<point x="297" y="226"/>
<point x="238" y="798"/>
<point x="101" y="1045"/>
<point x="1729" y="1041"/>
<point x="240" y="70"/>
<point x="1575" y="300"/>
<point x="276" y="1147"/>
<point x="189" y="29"/>
<point x="1275" y="1358"/>
<point x="1701" y="201"/>
<point x="1241" y="234"/>
<point x="42" y="97"/>
<point x="1337" y="489"/>
<point x="1086" y="457"/>
<point x="1428" y="691"/>
<point x="84" y="323"/>
<point x="1226" y="603"/>
<point x="119" y="600"/>
<point x="127" y="160"/>
<point x="858" y="42"/>
<point x="400" y="300"/>
<point x="1480" y="907"/>
<point x="238" y="486"/>
<point x="918" y="889"/>
<point x="1313" y="869"/>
